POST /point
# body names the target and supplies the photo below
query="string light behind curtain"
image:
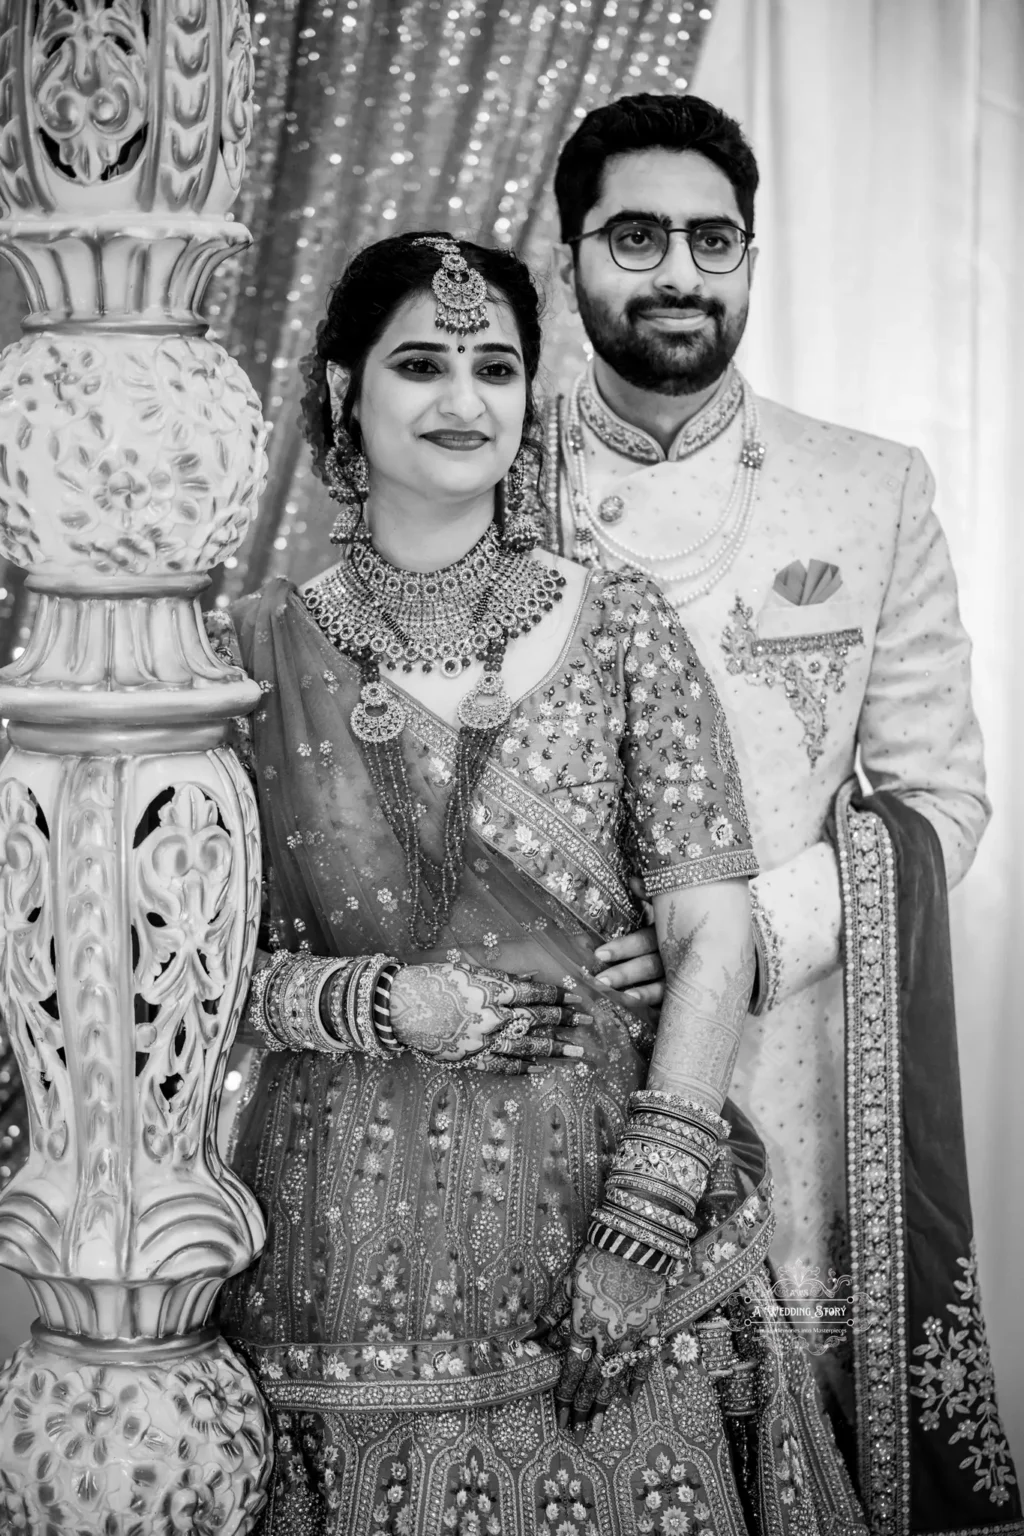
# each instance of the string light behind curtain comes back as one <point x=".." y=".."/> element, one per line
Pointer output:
<point x="383" y="116"/>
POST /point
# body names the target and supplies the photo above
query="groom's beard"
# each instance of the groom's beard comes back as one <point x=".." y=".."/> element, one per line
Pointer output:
<point x="664" y="364"/>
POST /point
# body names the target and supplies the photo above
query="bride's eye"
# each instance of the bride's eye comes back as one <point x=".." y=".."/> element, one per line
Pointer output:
<point x="498" y="371"/>
<point x="420" y="367"/>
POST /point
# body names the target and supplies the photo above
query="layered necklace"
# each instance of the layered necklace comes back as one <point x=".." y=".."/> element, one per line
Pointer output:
<point x="444" y="620"/>
<point x="729" y="529"/>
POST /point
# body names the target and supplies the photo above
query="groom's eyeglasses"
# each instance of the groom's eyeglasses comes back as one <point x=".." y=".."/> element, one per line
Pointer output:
<point x="640" y="245"/>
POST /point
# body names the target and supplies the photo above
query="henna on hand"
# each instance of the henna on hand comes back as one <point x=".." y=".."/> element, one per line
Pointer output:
<point x="615" y="1306"/>
<point x="613" y="1298"/>
<point x="457" y="1012"/>
<point x="430" y="1011"/>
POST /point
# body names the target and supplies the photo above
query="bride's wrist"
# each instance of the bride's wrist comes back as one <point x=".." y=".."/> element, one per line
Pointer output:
<point x="306" y="1002"/>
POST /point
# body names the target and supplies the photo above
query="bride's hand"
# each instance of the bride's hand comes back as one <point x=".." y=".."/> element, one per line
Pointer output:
<point x="459" y="1012"/>
<point x="610" y="1334"/>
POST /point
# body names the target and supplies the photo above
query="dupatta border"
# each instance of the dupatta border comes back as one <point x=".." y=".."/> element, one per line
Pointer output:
<point x="683" y="1309"/>
<point x="875" y="1194"/>
<point x="510" y="794"/>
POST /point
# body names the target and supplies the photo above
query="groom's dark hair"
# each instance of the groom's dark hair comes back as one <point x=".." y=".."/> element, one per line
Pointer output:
<point x="635" y="123"/>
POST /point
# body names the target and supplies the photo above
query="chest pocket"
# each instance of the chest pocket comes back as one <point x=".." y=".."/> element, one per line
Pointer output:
<point x="837" y="616"/>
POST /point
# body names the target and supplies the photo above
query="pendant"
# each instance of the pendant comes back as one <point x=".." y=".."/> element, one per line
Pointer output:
<point x="611" y="509"/>
<point x="378" y="717"/>
<point x="487" y="705"/>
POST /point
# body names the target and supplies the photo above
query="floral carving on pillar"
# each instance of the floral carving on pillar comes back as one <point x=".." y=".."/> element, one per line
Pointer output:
<point x="131" y="460"/>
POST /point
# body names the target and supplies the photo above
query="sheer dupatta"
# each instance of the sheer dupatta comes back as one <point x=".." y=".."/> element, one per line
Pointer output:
<point x="337" y="874"/>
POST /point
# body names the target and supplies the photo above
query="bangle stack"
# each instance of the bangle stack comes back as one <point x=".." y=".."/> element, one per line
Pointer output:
<point x="357" y="1005"/>
<point x="657" y="1177"/>
<point x="301" y="1002"/>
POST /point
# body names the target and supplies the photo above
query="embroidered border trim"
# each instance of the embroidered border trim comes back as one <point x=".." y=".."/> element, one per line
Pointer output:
<point x="769" y="956"/>
<point x="638" y="445"/>
<point x="552" y="432"/>
<point x="1016" y="1529"/>
<point x="715" y="866"/>
<point x="521" y="1380"/>
<point x="838" y="640"/>
<point x="541" y="817"/>
<point x="680" y="1311"/>
<point x="875" y="1164"/>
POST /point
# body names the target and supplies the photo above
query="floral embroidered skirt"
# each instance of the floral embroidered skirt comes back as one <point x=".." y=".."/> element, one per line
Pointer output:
<point x="419" y="1221"/>
<point x="668" y="1461"/>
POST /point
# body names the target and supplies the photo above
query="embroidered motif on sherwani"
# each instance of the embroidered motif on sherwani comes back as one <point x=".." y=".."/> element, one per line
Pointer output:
<point x="805" y="668"/>
<point x="420" y="1216"/>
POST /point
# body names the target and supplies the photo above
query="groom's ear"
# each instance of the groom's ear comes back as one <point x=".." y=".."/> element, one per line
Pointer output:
<point x="563" y="268"/>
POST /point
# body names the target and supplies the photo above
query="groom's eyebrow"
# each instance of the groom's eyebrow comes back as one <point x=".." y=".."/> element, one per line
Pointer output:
<point x="627" y="215"/>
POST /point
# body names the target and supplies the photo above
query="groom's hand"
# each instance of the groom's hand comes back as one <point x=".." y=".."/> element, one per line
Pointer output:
<point x="632" y="963"/>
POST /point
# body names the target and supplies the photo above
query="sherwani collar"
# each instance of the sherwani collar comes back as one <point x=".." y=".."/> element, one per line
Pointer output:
<point x="634" y="443"/>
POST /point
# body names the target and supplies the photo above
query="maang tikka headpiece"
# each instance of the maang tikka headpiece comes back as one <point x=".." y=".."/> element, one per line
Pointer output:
<point x="460" y="291"/>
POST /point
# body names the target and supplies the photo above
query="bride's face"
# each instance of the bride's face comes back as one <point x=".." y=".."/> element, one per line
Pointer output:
<point x="437" y="420"/>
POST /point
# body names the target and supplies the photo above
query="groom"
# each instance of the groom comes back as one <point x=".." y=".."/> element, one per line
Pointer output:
<point x="808" y="565"/>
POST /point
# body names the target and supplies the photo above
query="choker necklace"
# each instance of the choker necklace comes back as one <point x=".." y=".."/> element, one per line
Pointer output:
<point x="729" y="528"/>
<point x="444" y="619"/>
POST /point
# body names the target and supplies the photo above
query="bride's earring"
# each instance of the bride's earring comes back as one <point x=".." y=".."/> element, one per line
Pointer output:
<point x="348" y="483"/>
<point x="521" y="528"/>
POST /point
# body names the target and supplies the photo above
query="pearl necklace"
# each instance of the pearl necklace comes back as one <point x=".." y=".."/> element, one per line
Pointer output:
<point x="737" y="512"/>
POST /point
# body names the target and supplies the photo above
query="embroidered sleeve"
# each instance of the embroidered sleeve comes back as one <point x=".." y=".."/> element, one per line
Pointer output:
<point x="687" y="822"/>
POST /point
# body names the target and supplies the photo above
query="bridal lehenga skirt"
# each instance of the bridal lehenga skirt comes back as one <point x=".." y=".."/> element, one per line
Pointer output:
<point x="677" y="1458"/>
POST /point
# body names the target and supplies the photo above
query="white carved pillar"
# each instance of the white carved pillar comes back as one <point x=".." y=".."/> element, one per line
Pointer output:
<point x="131" y="458"/>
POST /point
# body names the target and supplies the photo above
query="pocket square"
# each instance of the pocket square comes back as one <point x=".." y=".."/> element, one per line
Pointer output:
<point x="802" y="585"/>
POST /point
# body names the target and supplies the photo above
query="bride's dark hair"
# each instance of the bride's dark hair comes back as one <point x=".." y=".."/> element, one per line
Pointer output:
<point x="375" y="283"/>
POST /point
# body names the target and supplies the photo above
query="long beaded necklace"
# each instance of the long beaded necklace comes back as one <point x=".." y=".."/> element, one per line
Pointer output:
<point x="733" y="521"/>
<point x="497" y="594"/>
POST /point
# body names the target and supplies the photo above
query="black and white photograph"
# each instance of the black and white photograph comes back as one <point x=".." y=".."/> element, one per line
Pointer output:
<point x="511" y="895"/>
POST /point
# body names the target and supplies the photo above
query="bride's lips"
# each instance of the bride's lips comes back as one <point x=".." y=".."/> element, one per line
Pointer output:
<point x="461" y="442"/>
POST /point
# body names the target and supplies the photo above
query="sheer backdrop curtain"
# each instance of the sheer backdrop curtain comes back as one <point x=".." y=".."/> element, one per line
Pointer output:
<point x="888" y="297"/>
<point x="378" y="116"/>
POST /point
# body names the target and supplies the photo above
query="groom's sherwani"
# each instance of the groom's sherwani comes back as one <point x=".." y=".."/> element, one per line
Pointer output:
<point x="880" y="667"/>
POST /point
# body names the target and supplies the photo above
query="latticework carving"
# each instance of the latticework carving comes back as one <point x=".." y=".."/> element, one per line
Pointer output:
<point x="131" y="459"/>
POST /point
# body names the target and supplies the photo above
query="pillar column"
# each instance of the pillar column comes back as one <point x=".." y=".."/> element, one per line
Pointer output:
<point x="131" y="459"/>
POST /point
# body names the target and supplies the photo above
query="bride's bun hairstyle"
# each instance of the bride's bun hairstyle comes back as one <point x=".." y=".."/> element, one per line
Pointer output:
<point x="376" y="282"/>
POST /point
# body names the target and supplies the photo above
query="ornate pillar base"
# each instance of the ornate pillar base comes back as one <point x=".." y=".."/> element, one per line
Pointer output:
<point x="144" y="1439"/>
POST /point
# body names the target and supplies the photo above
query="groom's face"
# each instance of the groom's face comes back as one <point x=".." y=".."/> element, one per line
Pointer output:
<point x="671" y="330"/>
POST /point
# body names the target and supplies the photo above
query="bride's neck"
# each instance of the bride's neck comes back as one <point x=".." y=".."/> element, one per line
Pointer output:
<point x="420" y="535"/>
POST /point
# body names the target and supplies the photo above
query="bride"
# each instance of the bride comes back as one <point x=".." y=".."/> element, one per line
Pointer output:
<point x="514" y="1275"/>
